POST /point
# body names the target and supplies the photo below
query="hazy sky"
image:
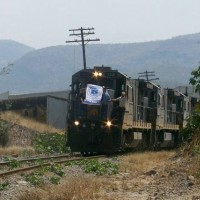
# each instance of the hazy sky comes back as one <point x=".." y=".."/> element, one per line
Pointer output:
<point x="42" y="23"/>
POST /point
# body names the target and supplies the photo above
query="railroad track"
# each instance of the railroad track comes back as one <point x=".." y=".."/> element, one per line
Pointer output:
<point x="35" y="159"/>
<point x="14" y="171"/>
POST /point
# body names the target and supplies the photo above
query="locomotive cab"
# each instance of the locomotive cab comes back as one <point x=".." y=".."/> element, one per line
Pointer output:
<point x="91" y="126"/>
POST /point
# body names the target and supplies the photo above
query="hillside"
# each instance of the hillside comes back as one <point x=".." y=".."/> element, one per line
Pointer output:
<point x="50" y="69"/>
<point x="11" y="51"/>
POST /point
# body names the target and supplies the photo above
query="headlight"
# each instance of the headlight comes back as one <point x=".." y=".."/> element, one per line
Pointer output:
<point x="76" y="123"/>
<point x="96" y="74"/>
<point x="108" y="123"/>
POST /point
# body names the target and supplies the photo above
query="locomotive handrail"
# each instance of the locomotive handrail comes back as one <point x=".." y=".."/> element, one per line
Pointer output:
<point x="168" y="126"/>
<point x="145" y="125"/>
<point x="141" y="124"/>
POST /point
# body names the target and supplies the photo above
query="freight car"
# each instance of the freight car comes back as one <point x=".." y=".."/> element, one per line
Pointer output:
<point x="152" y="118"/>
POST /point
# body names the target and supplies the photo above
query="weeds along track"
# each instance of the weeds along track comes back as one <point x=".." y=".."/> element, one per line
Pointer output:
<point x="14" y="165"/>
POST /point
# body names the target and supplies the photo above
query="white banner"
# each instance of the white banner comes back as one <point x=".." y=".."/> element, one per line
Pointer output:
<point x="93" y="94"/>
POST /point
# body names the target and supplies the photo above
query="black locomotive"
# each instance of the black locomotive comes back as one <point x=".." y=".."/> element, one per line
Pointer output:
<point x="152" y="118"/>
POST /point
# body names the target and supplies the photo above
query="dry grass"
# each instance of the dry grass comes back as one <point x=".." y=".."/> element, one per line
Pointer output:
<point x="105" y="188"/>
<point x="142" y="162"/>
<point x="76" y="188"/>
<point x="194" y="166"/>
<point x="30" y="123"/>
<point x="16" y="150"/>
<point x="191" y="152"/>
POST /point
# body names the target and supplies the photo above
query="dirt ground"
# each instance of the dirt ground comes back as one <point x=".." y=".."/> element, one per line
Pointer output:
<point x="174" y="178"/>
<point x="171" y="179"/>
<point x="143" y="176"/>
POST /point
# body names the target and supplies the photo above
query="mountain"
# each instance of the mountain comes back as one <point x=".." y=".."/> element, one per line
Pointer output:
<point x="11" y="51"/>
<point x="51" y="68"/>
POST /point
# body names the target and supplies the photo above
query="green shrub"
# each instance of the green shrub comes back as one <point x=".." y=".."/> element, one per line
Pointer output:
<point x="192" y="127"/>
<point x="42" y="171"/>
<point x="57" y="169"/>
<point x="34" y="179"/>
<point x="4" y="186"/>
<point x="101" y="168"/>
<point x="4" y="128"/>
<point x="37" y="178"/>
<point x="97" y="167"/>
<point x="14" y="164"/>
<point x="54" y="180"/>
<point x="48" y="143"/>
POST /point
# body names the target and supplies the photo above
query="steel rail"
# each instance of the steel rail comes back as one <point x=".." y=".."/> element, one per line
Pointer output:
<point x="46" y="164"/>
<point x="36" y="158"/>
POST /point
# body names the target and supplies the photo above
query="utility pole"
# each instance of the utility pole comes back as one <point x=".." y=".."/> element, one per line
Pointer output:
<point x="147" y="75"/>
<point x="82" y="32"/>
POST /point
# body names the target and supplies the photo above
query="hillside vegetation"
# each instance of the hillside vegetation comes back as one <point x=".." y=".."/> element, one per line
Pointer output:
<point x="30" y="123"/>
<point x="51" y="68"/>
<point x="22" y="136"/>
<point x="191" y="133"/>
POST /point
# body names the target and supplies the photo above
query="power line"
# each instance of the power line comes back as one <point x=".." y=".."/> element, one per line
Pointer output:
<point x="82" y="32"/>
<point x="147" y="74"/>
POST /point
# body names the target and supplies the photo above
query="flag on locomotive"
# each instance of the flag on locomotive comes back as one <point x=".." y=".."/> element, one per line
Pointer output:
<point x="93" y="94"/>
<point x="97" y="95"/>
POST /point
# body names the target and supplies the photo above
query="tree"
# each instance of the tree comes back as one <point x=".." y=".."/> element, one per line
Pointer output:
<point x="195" y="79"/>
<point x="192" y="128"/>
